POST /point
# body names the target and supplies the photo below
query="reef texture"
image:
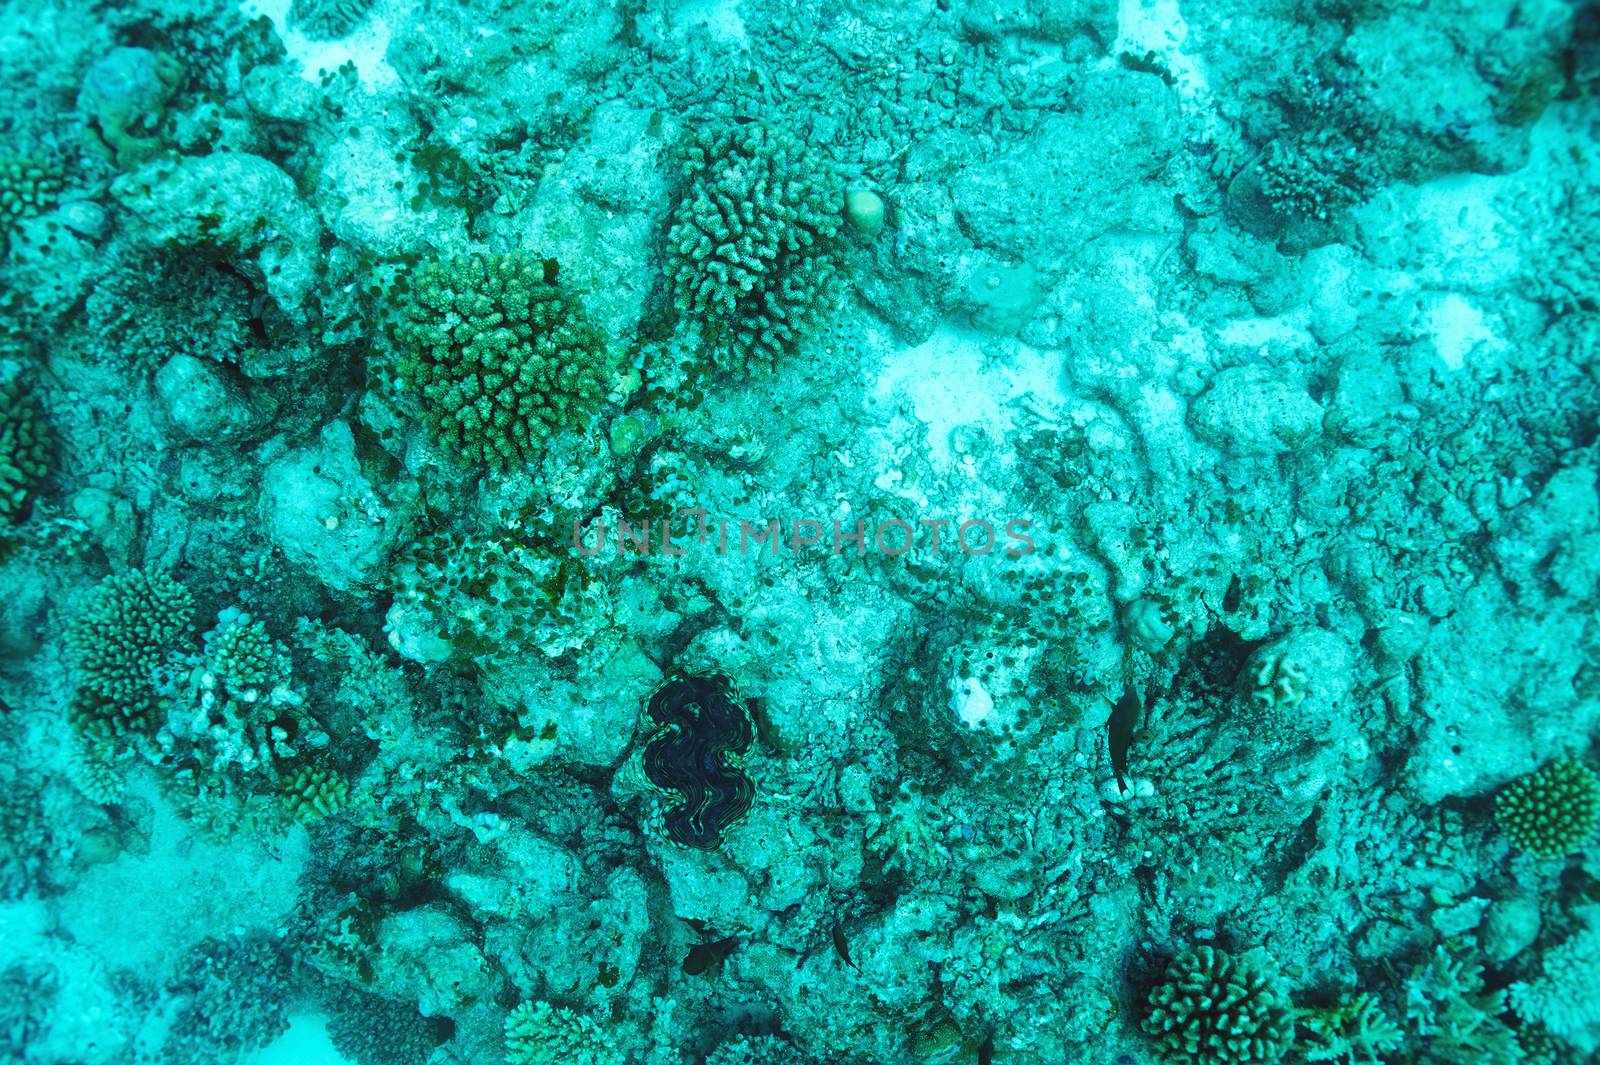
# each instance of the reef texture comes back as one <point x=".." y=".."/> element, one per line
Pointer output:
<point x="1038" y="532"/>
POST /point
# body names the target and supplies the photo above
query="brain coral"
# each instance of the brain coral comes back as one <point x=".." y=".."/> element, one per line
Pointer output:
<point x="1213" y="1009"/>
<point x="499" y="357"/>
<point x="754" y="252"/>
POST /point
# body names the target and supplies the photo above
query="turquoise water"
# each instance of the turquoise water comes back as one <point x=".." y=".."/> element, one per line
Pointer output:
<point x="767" y="533"/>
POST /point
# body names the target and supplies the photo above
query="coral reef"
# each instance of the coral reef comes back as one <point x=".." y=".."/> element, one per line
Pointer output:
<point x="1138" y="461"/>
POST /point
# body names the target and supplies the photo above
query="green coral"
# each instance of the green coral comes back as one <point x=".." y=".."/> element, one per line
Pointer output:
<point x="311" y="793"/>
<point x="492" y="600"/>
<point x="1214" y="1009"/>
<point x="1552" y="811"/>
<point x="754" y="252"/>
<point x="499" y="357"/>
<point x="243" y="655"/>
<point x="28" y="186"/>
<point x="24" y="451"/>
<point x="121" y="638"/>
<point x="538" y="1033"/>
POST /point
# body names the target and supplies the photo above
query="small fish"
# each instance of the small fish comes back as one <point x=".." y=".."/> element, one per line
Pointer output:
<point x="1121" y="725"/>
<point x="706" y="958"/>
<point x="1231" y="597"/>
<point x="842" y="948"/>
<point x="986" y="1050"/>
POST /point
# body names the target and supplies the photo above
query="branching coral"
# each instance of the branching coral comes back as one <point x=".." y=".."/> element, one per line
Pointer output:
<point x="538" y="1033"/>
<point x="27" y="187"/>
<point x="1552" y="811"/>
<point x="233" y="992"/>
<point x="311" y="793"/>
<point x="754" y="252"/>
<point x="127" y="632"/>
<point x="1456" y="1017"/>
<point x="499" y="357"/>
<point x="24" y="451"/>
<point x="1355" y="1031"/>
<point x="1563" y="997"/>
<point x="1214" y="1009"/>
<point x="370" y="1030"/>
<point x="236" y="713"/>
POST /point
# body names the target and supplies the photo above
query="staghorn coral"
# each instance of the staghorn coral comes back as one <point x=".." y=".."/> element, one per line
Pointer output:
<point x="1550" y="812"/>
<point x="753" y="253"/>
<point x="128" y="631"/>
<point x="700" y="730"/>
<point x="24" y="451"/>
<point x="499" y="358"/>
<point x="1214" y="1009"/>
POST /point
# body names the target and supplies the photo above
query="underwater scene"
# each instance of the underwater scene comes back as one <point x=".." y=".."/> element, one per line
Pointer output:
<point x="772" y="532"/>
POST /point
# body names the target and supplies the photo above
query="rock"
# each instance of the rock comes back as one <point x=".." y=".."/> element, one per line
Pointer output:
<point x="1249" y="411"/>
<point x="201" y="402"/>
<point x="323" y="513"/>
<point x="233" y="201"/>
